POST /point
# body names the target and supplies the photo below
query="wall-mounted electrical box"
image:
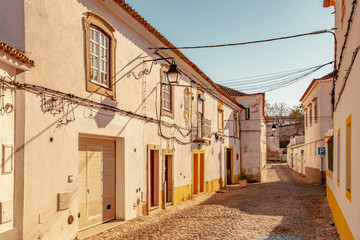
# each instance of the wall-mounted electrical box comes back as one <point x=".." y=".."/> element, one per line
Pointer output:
<point x="6" y="211"/>
<point x="63" y="201"/>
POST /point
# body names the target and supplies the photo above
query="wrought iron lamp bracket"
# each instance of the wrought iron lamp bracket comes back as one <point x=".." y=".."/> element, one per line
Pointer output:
<point x="147" y="71"/>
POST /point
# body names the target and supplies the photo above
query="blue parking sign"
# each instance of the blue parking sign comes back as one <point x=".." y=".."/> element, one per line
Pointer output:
<point x="321" y="151"/>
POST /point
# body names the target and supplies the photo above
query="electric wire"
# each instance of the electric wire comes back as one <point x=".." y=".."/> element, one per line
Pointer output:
<point x="245" y="43"/>
<point x="346" y="36"/>
<point x="276" y="82"/>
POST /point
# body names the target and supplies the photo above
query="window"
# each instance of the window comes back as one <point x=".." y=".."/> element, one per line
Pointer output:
<point x="221" y="117"/>
<point x="348" y="157"/>
<point x="99" y="55"/>
<point x="201" y="99"/>
<point x="310" y="114"/>
<point x="315" y="110"/>
<point x="305" y="116"/>
<point x="167" y="93"/>
<point x="338" y="157"/>
<point x="330" y="144"/>
<point x="247" y="113"/>
<point x="235" y="123"/>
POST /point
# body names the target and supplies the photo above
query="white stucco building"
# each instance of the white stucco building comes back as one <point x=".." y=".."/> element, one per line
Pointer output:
<point x="343" y="166"/>
<point x="13" y="65"/>
<point x="253" y="129"/>
<point x="99" y="132"/>
<point x="318" y="119"/>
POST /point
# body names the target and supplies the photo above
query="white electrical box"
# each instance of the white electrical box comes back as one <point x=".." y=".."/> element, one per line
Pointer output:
<point x="63" y="201"/>
<point x="6" y="211"/>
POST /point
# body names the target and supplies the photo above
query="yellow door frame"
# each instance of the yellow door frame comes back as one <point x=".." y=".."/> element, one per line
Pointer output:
<point x="197" y="152"/>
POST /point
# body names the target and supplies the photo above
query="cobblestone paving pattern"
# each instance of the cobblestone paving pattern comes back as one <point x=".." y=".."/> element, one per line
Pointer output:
<point x="283" y="204"/>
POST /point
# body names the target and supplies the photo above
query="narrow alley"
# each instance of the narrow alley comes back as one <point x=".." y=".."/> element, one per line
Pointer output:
<point x="284" y="206"/>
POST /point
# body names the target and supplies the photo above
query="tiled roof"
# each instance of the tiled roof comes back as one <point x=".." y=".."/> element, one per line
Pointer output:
<point x="232" y="92"/>
<point x="168" y="44"/>
<point x="16" y="53"/>
<point x="327" y="76"/>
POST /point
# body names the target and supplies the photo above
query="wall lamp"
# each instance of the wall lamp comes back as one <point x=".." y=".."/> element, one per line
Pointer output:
<point x="173" y="74"/>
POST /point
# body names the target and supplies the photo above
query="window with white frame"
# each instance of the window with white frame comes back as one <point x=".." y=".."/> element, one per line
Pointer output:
<point x="100" y="44"/>
<point x="167" y="91"/>
<point x="201" y="130"/>
<point x="99" y="57"/>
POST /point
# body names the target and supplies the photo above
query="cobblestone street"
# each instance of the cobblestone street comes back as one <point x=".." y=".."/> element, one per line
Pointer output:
<point x="283" y="204"/>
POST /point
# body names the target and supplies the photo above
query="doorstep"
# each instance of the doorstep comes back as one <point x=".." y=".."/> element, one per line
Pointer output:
<point x="98" y="229"/>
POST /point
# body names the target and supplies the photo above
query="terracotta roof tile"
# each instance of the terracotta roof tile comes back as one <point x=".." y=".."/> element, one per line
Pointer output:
<point x="16" y="53"/>
<point x="232" y="92"/>
<point x="168" y="44"/>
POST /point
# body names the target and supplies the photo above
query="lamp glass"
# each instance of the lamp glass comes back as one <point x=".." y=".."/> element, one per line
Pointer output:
<point x="173" y="74"/>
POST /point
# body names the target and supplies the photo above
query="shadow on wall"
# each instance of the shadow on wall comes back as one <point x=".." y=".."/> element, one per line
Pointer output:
<point x="104" y="117"/>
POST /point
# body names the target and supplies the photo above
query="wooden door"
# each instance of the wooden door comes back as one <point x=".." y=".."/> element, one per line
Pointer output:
<point x="202" y="172"/>
<point x="168" y="178"/>
<point x="196" y="174"/>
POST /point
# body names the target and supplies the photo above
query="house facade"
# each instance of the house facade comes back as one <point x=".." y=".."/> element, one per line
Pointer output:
<point x="318" y="119"/>
<point x="100" y="133"/>
<point x="253" y="129"/>
<point x="343" y="180"/>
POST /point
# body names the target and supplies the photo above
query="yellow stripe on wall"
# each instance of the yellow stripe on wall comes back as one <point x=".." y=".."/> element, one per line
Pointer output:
<point x="340" y="221"/>
<point x="183" y="193"/>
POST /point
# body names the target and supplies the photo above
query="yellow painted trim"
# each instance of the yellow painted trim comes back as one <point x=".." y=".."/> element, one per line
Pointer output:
<point x="329" y="174"/>
<point x="348" y="195"/>
<point x="182" y="193"/>
<point x="328" y="136"/>
<point x="339" y="219"/>
<point x="338" y="183"/>
<point x="348" y="191"/>
<point x="213" y="185"/>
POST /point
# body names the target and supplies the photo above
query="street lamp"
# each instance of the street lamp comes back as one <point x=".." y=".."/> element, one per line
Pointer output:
<point x="173" y="74"/>
<point x="272" y="135"/>
<point x="273" y="128"/>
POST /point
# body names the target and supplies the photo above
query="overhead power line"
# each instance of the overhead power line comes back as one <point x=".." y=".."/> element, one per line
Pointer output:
<point x="246" y="43"/>
<point x="266" y="83"/>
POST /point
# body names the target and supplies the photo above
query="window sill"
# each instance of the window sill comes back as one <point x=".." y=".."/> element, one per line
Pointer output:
<point x="100" y="85"/>
<point x="167" y="113"/>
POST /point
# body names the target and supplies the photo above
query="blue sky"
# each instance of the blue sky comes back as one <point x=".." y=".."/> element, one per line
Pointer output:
<point x="203" y="22"/>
